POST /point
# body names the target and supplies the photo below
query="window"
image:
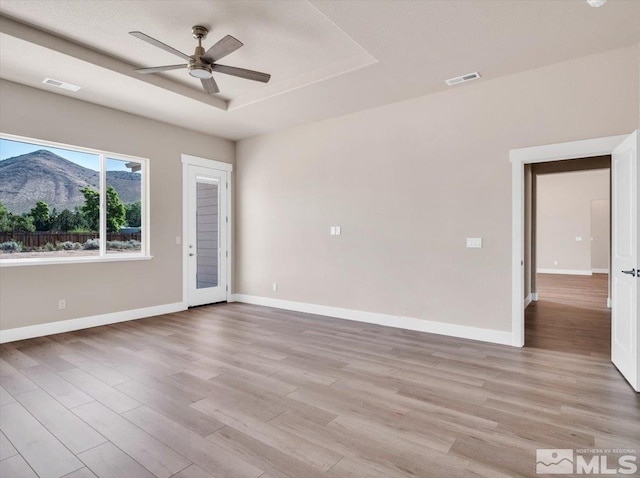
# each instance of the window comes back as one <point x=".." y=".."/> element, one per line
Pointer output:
<point x="62" y="203"/>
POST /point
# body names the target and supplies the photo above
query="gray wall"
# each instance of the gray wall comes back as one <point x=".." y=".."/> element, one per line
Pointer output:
<point x="408" y="182"/>
<point x="29" y="295"/>
<point x="564" y="204"/>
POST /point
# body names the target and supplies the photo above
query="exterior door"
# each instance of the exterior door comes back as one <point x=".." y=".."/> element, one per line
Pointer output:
<point x="624" y="262"/>
<point x="206" y="242"/>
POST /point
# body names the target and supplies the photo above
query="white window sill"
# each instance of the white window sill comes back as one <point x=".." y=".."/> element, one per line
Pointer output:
<point x="73" y="260"/>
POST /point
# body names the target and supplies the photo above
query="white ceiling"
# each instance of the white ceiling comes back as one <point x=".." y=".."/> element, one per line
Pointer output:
<point x="326" y="57"/>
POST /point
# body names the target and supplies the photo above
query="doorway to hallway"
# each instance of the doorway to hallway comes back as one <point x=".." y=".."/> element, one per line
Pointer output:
<point x="571" y="315"/>
<point x="625" y="228"/>
<point x="570" y="251"/>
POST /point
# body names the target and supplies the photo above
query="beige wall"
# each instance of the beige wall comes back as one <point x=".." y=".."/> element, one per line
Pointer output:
<point x="408" y="182"/>
<point x="564" y="213"/>
<point x="29" y="295"/>
<point x="600" y="234"/>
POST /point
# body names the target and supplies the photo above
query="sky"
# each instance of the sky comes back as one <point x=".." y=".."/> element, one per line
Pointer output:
<point x="9" y="149"/>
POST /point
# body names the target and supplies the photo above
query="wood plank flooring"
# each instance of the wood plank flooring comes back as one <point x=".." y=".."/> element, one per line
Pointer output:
<point x="239" y="391"/>
<point x="571" y="315"/>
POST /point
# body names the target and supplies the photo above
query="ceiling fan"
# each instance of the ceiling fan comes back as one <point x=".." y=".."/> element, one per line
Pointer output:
<point x="202" y="64"/>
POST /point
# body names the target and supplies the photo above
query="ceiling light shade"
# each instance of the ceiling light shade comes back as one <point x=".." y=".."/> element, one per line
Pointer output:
<point x="596" y="3"/>
<point x="200" y="71"/>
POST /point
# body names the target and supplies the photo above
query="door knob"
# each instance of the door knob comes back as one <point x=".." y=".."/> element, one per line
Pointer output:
<point x="632" y="272"/>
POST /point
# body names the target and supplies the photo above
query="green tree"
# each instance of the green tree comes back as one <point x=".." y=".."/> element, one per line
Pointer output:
<point x="116" y="212"/>
<point x="65" y="221"/>
<point x="79" y="219"/>
<point x="133" y="215"/>
<point x="115" y="209"/>
<point x="21" y="223"/>
<point x="91" y="207"/>
<point x="53" y="219"/>
<point x="5" y="218"/>
<point x="41" y="217"/>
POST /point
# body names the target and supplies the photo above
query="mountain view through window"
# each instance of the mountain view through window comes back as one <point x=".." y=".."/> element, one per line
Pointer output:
<point x="50" y="203"/>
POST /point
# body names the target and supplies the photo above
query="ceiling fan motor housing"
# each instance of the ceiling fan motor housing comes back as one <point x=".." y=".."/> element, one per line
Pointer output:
<point x="198" y="68"/>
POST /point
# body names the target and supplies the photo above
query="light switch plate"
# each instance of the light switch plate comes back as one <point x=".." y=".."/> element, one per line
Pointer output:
<point x="578" y="238"/>
<point x="337" y="230"/>
<point x="474" y="242"/>
<point x="332" y="231"/>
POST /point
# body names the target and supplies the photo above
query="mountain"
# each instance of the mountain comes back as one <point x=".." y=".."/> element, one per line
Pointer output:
<point x="126" y="183"/>
<point x="45" y="176"/>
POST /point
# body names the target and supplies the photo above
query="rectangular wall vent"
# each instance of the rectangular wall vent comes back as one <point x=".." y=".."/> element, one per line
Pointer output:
<point x="462" y="79"/>
<point x="60" y="84"/>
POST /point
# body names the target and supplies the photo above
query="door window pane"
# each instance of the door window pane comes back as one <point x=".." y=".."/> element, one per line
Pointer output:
<point x="207" y="236"/>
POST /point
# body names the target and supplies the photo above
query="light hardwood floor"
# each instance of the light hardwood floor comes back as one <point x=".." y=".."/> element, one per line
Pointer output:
<point x="243" y="391"/>
<point x="571" y="315"/>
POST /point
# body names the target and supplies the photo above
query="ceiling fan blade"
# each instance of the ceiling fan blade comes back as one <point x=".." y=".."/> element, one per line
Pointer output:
<point x="242" y="73"/>
<point x="222" y="48"/>
<point x="159" y="44"/>
<point x="158" y="69"/>
<point x="210" y="85"/>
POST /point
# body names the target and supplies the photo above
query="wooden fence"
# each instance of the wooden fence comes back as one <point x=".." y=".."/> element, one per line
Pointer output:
<point x="39" y="239"/>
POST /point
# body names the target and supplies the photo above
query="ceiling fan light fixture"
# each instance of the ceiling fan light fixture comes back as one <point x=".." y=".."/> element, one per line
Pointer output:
<point x="201" y="72"/>
<point x="202" y="63"/>
<point x="596" y="3"/>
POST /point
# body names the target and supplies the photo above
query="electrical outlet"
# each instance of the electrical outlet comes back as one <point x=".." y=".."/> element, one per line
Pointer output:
<point x="178" y="240"/>
<point x="62" y="304"/>
<point x="474" y="242"/>
<point x="275" y="287"/>
<point x="555" y="263"/>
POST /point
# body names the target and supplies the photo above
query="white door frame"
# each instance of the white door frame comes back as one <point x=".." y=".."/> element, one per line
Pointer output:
<point x="188" y="160"/>
<point x="539" y="154"/>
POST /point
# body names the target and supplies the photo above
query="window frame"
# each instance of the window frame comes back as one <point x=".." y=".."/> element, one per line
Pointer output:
<point x="145" y="251"/>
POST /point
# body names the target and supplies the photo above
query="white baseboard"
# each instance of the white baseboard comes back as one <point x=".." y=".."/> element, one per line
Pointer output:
<point x="409" y="323"/>
<point x="50" y="328"/>
<point x="533" y="297"/>
<point x="600" y="271"/>
<point x="573" y="272"/>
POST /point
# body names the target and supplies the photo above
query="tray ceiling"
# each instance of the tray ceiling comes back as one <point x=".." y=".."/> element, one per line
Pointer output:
<point x="326" y="57"/>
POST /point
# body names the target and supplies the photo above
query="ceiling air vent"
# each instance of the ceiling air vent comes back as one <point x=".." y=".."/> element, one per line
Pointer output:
<point x="60" y="84"/>
<point x="463" y="78"/>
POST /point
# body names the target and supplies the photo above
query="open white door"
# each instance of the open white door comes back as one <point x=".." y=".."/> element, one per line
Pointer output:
<point x="624" y="261"/>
